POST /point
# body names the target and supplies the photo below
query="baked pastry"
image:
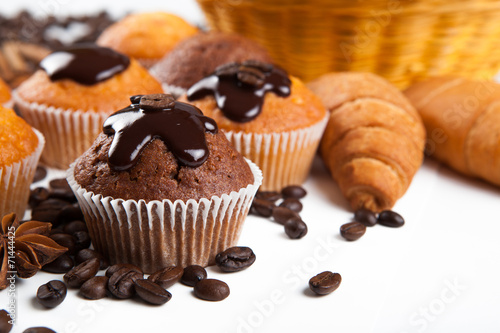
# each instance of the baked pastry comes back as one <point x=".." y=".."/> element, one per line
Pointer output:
<point x="68" y="100"/>
<point x="5" y="96"/>
<point x="273" y="120"/>
<point x="462" y="119"/>
<point x="146" y="37"/>
<point x="374" y="140"/>
<point x="161" y="186"/>
<point x="198" y="56"/>
<point x="20" y="149"/>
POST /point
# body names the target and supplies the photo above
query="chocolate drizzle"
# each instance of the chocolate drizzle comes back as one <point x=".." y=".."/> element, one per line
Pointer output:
<point x="86" y="64"/>
<point x="239" y="89"/>
<point x="180" y="125"/>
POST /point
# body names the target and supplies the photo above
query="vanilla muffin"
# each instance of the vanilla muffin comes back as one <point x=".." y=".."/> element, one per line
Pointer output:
<point x="174" y="190"/>
<point x="146" y="37"/>
<point x="72" y="94"/>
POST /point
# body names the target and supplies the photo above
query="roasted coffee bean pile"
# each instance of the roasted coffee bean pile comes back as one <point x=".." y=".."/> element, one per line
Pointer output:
<point x="366" y="218"/>
<point x="283" y="207"/>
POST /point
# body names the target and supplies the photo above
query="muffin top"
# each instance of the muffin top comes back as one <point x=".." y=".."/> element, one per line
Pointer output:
<point x="17" y="138"/>
<point x="158" y="149"/>
<point x="4" y="92"/>
<point x="87" y="78"/>
<point x="146" y="35"/>
<point x="255" y="97"/>
<point x="198" y="56"/>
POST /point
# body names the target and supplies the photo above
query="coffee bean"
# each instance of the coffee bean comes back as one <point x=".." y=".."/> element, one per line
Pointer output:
<point x="48" y="210"/>
<point x="292" y="204"/>
<point x="352" y="231"/>
<point x="95" y="288"/>
<point x="37" y="196"/>
<point x="283" y="214"/>
<point x="325" y="283"/>
<point x="69" y="213"/>
<point x="40" y="173"/>
<point x="56" y="231"/>
<point x="67" y="241"/>
<point x="86" y="254"/>
<point x="61" y="264"/>
<point x="251" y="76"/>
<point x="268" y="195"/>
<point x="113" y="269"/>
<point x="193" y="274"/>
<point x="82" y="240"/>
<point x="75" y="226"/>
<point x="151" y="292"/>
<point x="5" y="325"/>
<point x="38" y="329"/>
<point x="60" y="189"/>
<point x="211" y="290"/>
<point x="295" y="228"/>
<point x="293" y="191"/>
<point x="235" y="259"/>
<point x="81" y="273"/>
<point x="167" y="276"/>
<point x="391" y="219"/>
<point x="263" y="207"/>
<point x="121" y="283"/>
<point x="365" y="216"/>
<point x="51" y="294"/>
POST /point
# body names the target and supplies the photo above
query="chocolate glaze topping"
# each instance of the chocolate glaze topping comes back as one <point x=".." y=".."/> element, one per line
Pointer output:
<point x="86" y="64"/>
<point x="180" y="125"/>
<point x="239" y="89"/>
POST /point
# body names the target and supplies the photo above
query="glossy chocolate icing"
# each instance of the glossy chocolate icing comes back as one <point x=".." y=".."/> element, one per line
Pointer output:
<point x="239" y="89"/>
<point x="180" y="125"/>
<point x="86" y="64"/>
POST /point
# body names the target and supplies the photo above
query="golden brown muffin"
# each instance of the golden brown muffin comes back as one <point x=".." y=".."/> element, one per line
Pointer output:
<point x="4" y="93"/>
<point x="146" y="36"/>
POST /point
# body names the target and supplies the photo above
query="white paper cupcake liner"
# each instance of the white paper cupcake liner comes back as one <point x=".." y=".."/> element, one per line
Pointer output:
<point x="176" y="91"/>
<point x="9" y="104"/>
<point x="156" y="234"/>
<point x="15" y="181"/>
<point x="285" y="158"/>
<point x="68" y="133"/>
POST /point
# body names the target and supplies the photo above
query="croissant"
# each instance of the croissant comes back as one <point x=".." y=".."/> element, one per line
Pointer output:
<point x="462" y="119"/>
<point x="374" y="140"/>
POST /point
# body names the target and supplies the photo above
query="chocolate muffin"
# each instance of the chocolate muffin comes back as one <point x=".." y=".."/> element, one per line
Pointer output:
<point x="198" y="56"/>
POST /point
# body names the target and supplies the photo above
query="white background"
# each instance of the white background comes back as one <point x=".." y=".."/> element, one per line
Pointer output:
<point x="438" y="273"/>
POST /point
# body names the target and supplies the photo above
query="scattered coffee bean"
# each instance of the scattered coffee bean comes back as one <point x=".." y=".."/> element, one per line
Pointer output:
<point x="69" y="213"/>
<point x="193" y="274"/>
<point x="51" y="294"/>
<point x="61" y="264"/>
<point x="75" y="226"/>
<point x="211" y="290"/>
<point x="151" y="292"/>
<point x="81" y="273"/>
<point x="295" y="228"/>
<point x="40" y="173"/>
<point x="293" y="191"/>
<point x="82" y="240"/>
<point x="391" y="219"/>
<point x="235" y="259"/>
<point x="325" y="283"/>
<point x="121" y="283"/>
<point x="352" y="231"/>
<point x="268" y="195"/>
<point x="167" y="276"/>
<point x="38" y="195"/>
<point x="95" y="288"/>
<point x="86" y="254"/>
<point x="39" y="329"/>
<point x="48" y="210"/>
<point x="67" y="241"/>
<point x="60" y="189"/>
<point x="292" y="204"/>
<point x="283" y="214"/>
<point x="113" y="269"/>
<point x="365" y="216"/>
<point x="263" y="207"/>
<point x="5" y="325"/>
<point x="56" y="231"/>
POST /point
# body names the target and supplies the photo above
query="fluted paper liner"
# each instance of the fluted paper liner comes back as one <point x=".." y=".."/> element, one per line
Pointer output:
<point x="15" y="181"/>
<point x="68" y="133"/>
<point x="285" y="158"/>
<point x="156" y="234"/>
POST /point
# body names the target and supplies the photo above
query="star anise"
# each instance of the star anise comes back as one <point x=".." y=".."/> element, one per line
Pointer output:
<point x="25" y="248"/>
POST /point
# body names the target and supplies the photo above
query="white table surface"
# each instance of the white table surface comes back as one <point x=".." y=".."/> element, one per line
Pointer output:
<point x="438" y="273"/>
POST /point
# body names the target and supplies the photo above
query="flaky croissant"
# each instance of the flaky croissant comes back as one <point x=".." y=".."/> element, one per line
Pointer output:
<point x="462" y="119"/>
<point x="374" y="141"/>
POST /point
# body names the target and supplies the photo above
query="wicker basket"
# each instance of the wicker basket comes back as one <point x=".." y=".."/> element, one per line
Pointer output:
<point x="402" y="40"/>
